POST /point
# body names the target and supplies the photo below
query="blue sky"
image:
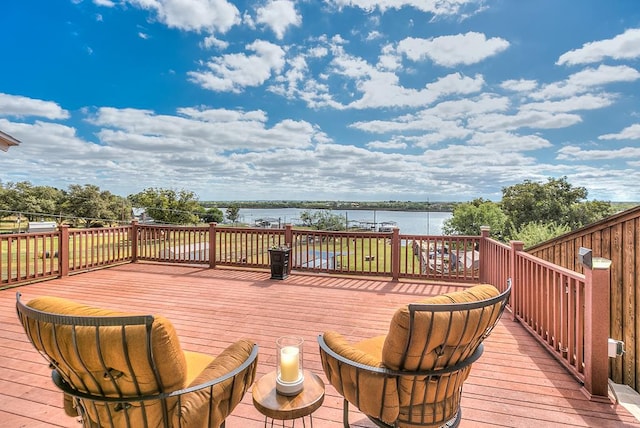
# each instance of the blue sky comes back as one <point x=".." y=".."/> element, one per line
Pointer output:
<point x="445" y="100"/>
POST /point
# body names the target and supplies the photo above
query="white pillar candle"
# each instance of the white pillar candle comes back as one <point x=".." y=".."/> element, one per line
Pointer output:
<point x="289" y="363"/>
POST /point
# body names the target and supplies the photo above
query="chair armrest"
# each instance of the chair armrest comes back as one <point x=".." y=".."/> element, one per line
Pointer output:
<point x="350" y="362"/>
<point x="251" y="360"/>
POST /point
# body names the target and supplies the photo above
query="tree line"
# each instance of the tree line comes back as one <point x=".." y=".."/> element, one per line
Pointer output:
<point x="530" y="211"/>
<point x="88" y="206"/>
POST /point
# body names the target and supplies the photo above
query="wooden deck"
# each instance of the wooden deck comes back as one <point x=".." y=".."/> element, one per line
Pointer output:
<point x="514" y="384"/>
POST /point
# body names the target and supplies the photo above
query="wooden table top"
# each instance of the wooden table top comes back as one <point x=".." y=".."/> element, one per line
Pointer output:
<point x="282" y="407"/>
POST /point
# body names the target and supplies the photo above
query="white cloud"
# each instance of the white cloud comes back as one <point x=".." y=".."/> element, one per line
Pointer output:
<point x="193" y="15"/>
<point x="455" y="83"/>
<point x="507" y="141"/>
<point x="234" y="72"/>
<point x="104" y="3"/>
<point x="469" y="107"/>
<point x="575" y="103"/>
<point x="55" y="150"/>
<point x="631" y="132"/>
<point x="436" y="7"/>
<point x="467" y="159"/>
<point x="373" y="35"/>
<point x="395" y="144"/>
<point x="445" y="119"/>
<point x="452" y="51"/>
<point x="19" y="106"/>
<point x="523" y="119"/>
<point x="212" y="41"/>
<point x="279" y="15"/>
<point x="204" y="130"/>
<point x="382" y="89"/>
<point x="586" y="80"/>
<point x="622" y="46"/>
<point x="520" y="85"/>
<point x="578" y="153"/>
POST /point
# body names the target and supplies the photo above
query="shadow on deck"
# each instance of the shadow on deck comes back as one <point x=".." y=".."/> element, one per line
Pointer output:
<point x="516" y="383"/>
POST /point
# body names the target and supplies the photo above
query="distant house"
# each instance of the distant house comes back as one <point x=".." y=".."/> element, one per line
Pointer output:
<point x="363" y="225"/>
<point x="7" y="141"/>
<point x="387" y="226"/>
<point x="140" y="214"/>
<point x="42" y="226"/>
<point x="268" y="223"/>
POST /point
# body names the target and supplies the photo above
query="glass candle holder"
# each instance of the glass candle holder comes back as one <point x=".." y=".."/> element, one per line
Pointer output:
<point x="289" y="365"/>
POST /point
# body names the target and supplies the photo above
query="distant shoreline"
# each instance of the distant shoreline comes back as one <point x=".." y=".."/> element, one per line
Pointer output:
<point x="339" y="205"/>
<point x="408" y="206"/>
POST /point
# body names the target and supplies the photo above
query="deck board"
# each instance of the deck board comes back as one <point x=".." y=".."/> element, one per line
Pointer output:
<point x="516" y="383"/>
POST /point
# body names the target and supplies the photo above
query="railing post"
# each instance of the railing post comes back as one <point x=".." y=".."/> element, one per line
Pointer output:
<point x="516" y="246"/>
<point x="485" y="232"/>
<point x="63" y="250"/>
<point x="288" y="235"/>
<point x="288" y="240"/>
<point x="395" y="254"/>
<point x="212" y="245"/>
<point x="596" y="326"/>
<point x="133" y="239"/>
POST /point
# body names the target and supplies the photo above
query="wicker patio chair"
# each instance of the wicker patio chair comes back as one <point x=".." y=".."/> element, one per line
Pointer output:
<point x="413" y="376"/>
<point x="119" y="369"/>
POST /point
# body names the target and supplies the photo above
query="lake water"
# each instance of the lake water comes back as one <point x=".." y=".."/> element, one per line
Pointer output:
<point x="409" y="222"/>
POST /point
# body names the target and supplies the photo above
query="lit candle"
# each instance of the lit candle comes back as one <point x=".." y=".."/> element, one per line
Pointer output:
<point x="289" y="363"/>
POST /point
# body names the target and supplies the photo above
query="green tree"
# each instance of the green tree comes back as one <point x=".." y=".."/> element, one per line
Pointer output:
<point x="35" y="202"/>
<point x="119" y="207"/>
<point x="467" y="219"/>
<point x="91" y="206"/>
<point x="555" y="201"/>
<point x="323" y="220"/>
<point x="590" y="211"/>
<point x="213" y="215"/>
<point x="169" y="206"/>
<point x="535" y="232"/>
<point x="232" y="213"/>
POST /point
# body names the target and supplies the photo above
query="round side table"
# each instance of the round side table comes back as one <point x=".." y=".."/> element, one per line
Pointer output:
<point x="276" y="406"/>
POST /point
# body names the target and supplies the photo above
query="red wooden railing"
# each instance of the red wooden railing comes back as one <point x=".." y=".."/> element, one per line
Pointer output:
<point x="495" y="263"/>
<point x="550" y="302"/>
<point x="94" y="248"/>
<point x="565" y="310"/>
<point x="454" y="258"/>
<point x="568" y="312"/>
<point x="28" y="257"/>
<point x="171" y="244"/>
<point x="618" y="239"/>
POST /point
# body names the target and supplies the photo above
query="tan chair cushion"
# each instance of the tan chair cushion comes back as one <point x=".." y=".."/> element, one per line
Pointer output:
<point x="87" y="369"/>
<point x="373" y="394"/>
<point x="443" y="333"/>
<point x="194" y="412"/>
<point x="168" y="355"/>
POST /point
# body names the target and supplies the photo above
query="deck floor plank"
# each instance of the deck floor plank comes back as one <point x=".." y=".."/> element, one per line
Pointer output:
<point x="516" y="383"/>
